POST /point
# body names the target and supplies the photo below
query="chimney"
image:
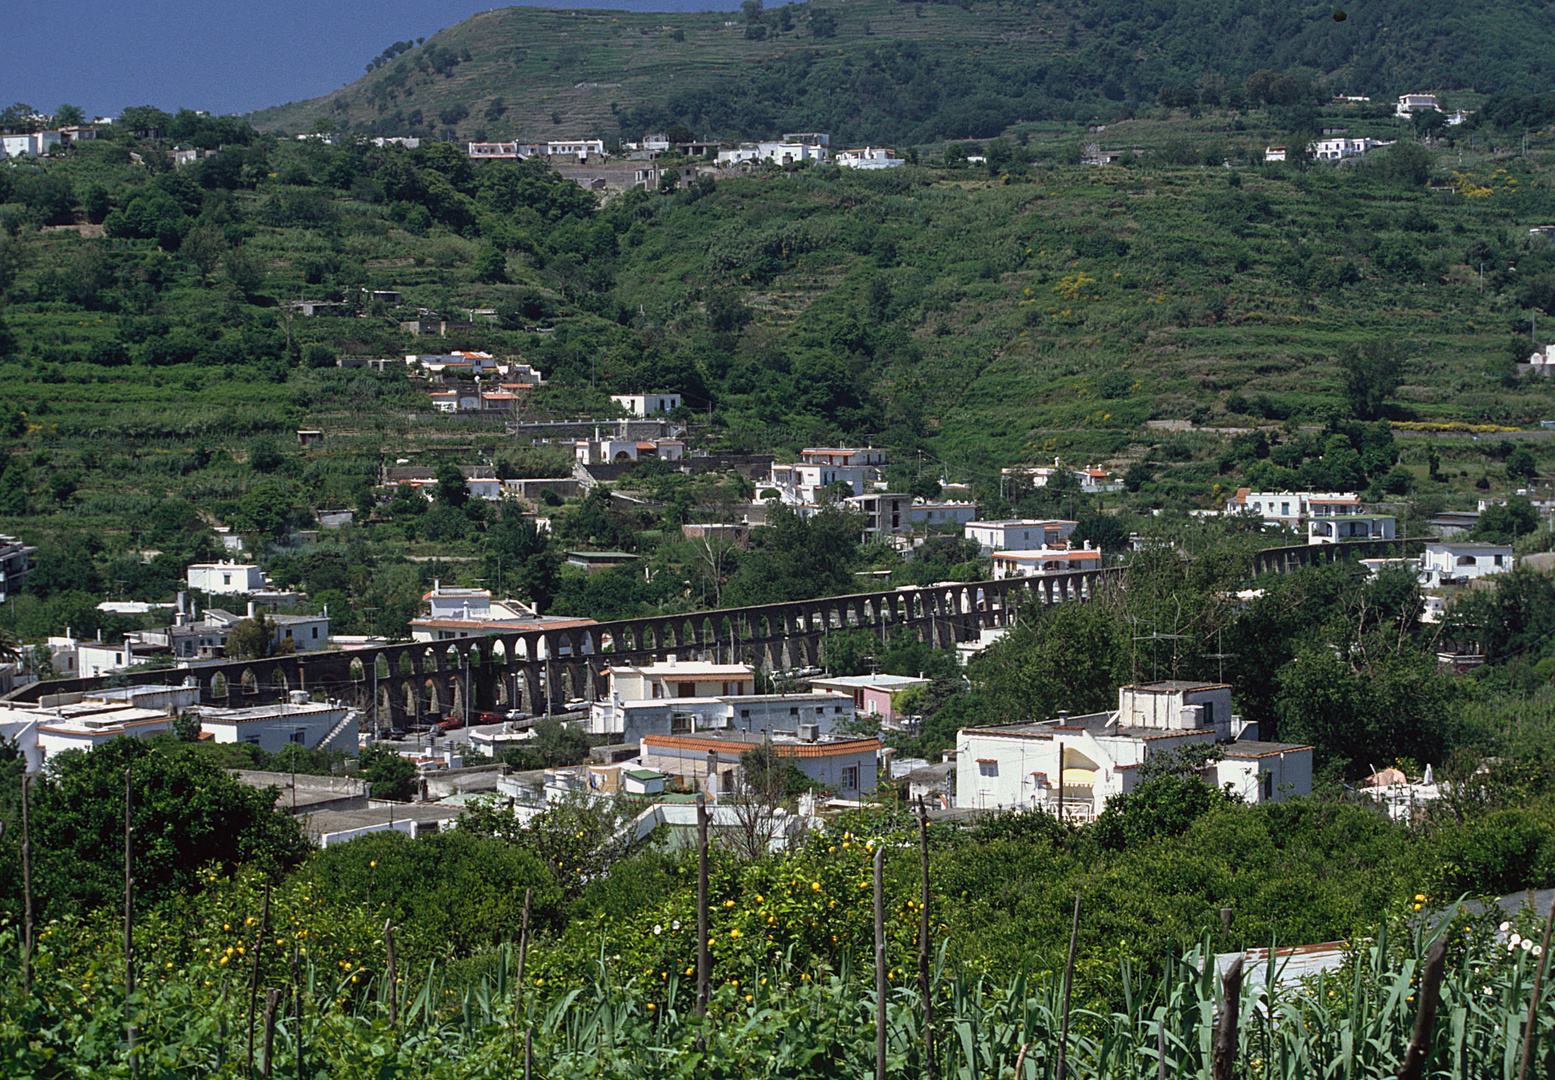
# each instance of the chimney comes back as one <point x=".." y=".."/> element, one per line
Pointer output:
<point x="250" y="609"/>
<point x="183" y="601"/>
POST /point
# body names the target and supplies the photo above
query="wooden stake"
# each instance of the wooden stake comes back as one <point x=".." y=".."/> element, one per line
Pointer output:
<point x="1063" y="1030"/>
<point x="390" y="975"/>
<point x="1223" y="1053"/>
<point x="925" y="990"/>
<point x="704" y="956"/>
<point x="518" y="998"/>
<point x="1425" y="1014"/>
<point x="880" y="980"/>
<point x="129" y="914"/>
<point x="253" y="979"/>
<point x="27" y="925"/>
<point x="1160" y="1049"/>
<point x="1530" y="1035"/>
<point x="272" y="1000"/>
<point x="297" y="1006"/>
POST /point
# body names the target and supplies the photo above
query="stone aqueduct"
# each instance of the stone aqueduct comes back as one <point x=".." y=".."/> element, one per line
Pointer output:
<point x="537" y="670"/>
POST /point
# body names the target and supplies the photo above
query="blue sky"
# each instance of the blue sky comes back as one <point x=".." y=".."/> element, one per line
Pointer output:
<point x="224" y="56"/>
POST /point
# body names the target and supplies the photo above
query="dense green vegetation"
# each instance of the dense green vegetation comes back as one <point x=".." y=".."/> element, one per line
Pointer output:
<point x="913" y="73"/>
<point x="966" y="318"/>
<point x="612" y="931"/>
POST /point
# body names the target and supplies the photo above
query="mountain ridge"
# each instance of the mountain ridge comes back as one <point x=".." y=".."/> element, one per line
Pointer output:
<point x="909" y="73"/>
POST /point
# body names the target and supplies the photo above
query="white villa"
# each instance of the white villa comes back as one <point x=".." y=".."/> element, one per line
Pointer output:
<point x="799" y="483"/>
<point x="1040" y="561"/>
<point x="1072" y="765"/>
<point x="647" y="404"/>
<point x="1334" y="530"/>
<point x="1447" y="563"/>
<point x="1021" y="533"/>
<point x="869" y="157"/>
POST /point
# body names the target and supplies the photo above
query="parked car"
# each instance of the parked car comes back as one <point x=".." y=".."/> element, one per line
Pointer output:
<point x="489" y="718"/>
<point x="451" y="723"/>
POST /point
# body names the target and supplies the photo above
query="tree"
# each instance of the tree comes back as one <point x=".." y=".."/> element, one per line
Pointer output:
<point x="390" y="775"/>
<point x="1521" y="465"/>
<point x="491" y="266"/>
<point x="1068" y="656"/>
<point x="10" y="646"/>
<point x="765" y="782"/>
<point x="1105" y="532"/>
<point x="1504" y="523"/>
<point x="1369" y="374"/>
<point x="68" y="116"/>
<point x="452" y="489"/>
<point x="1365" y="703"/>
<point x="189" y="815"/>
<point x="264" y="511"/>
<point x="1170" y="795"/>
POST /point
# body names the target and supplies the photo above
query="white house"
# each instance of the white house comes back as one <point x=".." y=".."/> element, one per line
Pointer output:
<point x="1447" y="563"/>
<point x="1334" y="530"/>
<point x="872" y="695"/>
<point x="1092" y="480"/>
<point x="779" y="153"/>
<point x="1040" y="561"/>
<point x="1020" y="533"/>
<point x="1410" y="104"/>
<point x="680" y="679"/>
<point x="226" y="578"/>
<point x="647" y="404"/>
<point x="606" y="451"/>
<point x="15" y="564"/>
<point x="942" y="512"/>
<point x="457" y="613"/>
<point x="808" y="715"/>
<point x="85" y="721"/>
<point x="1071" y="766"/>
<point x="1292" y="508"/>
<point x="869" y="157"/>
<point x="34" y="144"/>
<point x="800" y="483"/>
<point x="1339" y="148"/>
<point x="849" y="768"/>
<point x="318" y="726"/>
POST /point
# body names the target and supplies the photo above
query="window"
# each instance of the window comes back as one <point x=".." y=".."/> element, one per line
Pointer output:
<point x="226" y="579"/>
<point x="850" y="778"/>
<point x="315" y="633"/>
<point x="745" y="714"/>
<point x="987" y="767"/>
<point x="680" y="725"/>
<point x="793" y="711"/>
<point x="1268" y="786"/>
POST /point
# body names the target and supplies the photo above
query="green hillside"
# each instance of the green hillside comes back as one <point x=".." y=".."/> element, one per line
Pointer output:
<point x="912" y="73"/>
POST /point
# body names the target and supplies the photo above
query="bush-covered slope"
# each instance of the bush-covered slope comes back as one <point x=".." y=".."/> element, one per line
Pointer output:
<point x="909" y="73"/>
